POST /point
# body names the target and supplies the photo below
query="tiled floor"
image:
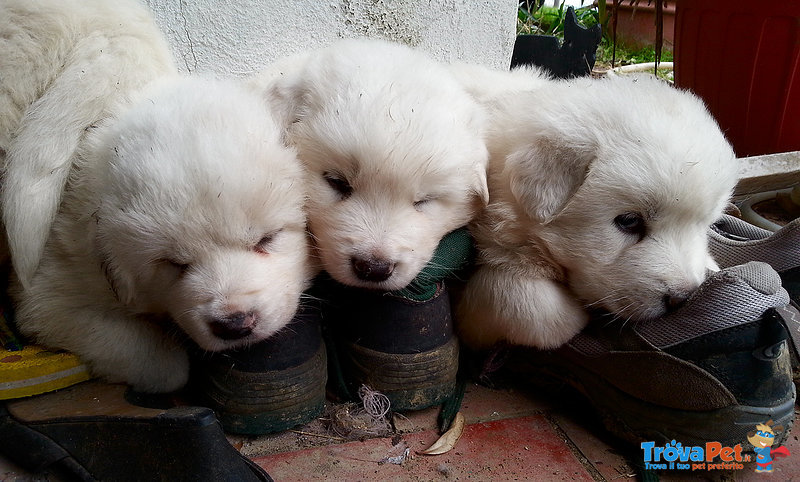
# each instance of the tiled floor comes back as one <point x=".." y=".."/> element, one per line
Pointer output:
<point x="510" y="434"/>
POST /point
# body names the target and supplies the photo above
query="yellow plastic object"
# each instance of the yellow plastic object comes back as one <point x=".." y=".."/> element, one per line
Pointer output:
<point x="34" y="370"/>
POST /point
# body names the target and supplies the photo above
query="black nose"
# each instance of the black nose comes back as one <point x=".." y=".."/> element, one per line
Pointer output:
<point x="675" y="298"/>
<point x="234" y="326"/>
<point x="372" y="269"/>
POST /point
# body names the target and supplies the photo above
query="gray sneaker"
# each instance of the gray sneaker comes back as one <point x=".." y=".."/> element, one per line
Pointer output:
<point x="709" y="371"/>
<point x="733" y="241"/>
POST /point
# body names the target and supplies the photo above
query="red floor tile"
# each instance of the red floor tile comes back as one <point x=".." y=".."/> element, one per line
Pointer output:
<point x="526" y="448"/>
<point x="599" y="448"/>
<point x="481" y="404"/>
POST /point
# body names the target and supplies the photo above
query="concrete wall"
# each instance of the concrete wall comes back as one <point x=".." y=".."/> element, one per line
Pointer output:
<point x="241" y="36"/>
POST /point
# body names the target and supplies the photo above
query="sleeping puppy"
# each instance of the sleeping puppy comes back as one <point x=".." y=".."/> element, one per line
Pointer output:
<point x="64" y="65"/>
<point x="136" y="201"/>
<point x="185" y="208"/>
<point x="393" y="150"/>
<point x="601" y="192"/>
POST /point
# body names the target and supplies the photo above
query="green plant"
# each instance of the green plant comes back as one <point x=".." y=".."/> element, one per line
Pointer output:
<point x="542" y="20"/>
<point x="533" y="18"/>
<point x="626" y="56"/>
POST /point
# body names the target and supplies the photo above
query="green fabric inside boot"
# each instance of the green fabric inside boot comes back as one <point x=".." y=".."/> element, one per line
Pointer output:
<point x="454" y="254"/>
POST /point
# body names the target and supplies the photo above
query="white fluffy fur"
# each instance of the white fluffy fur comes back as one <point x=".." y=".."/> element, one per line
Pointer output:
<point x="182" y="205"/>
<point x="186" y="208"/>
<point x="567" y="158"/>
<point x="63" y="66"/>
<point x="399" y="130"/>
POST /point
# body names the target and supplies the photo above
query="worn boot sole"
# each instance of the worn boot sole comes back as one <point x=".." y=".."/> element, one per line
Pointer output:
<point x="411" y="381"/>
<point x="255" y="403"/>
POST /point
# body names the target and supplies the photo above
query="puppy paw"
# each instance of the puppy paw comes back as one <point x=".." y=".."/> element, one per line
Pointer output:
<point x="164" y="371"/>
<point x="524" y="311"/>
<point x="153" y="365"/>
<point x="553" y="317"/>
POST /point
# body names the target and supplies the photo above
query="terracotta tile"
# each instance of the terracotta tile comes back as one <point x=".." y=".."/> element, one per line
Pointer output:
<point x="606" y="454"/>
<point x="525" y="448"/>
<point x="483" y="404"/>
<point x="788" y="468"/>
<point x="417" y="420"/>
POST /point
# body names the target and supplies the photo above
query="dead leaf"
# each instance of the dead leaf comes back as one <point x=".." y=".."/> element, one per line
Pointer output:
<point x="448" y="439"/>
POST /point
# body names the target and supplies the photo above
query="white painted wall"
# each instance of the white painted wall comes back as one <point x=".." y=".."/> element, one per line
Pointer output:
<point x="239" y="37"/>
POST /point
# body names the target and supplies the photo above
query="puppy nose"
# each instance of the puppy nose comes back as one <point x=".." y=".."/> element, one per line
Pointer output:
<point x="372" y="269"/>
<point x="234" y="326"/>
<point x="676" y="297"/>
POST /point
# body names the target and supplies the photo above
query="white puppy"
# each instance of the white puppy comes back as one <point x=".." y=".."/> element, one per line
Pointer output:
<point x="180" y="205"/>
<point x="186" y="208"/>
<point x="394" y="152"/>
<point x="63" y="66"/>
<point x="601" y="192"/>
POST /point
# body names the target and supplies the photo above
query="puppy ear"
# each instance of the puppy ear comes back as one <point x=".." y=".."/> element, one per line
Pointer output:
<point x="544" y="175"/>
<point x="287" y="102"/>
<point x="479" y="185"/>
<point x="121" y="283"/>
<point x="281" y="87"/>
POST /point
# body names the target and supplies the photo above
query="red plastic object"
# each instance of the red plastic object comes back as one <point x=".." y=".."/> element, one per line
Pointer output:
<point x="743" y="59"/>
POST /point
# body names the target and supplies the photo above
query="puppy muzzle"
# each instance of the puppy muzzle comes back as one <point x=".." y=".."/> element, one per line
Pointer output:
<point x="372" y="269"/>
<point x="234" y="326"/>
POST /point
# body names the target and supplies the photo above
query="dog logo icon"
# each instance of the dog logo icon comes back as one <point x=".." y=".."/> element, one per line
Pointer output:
<point x="763" y="439"/>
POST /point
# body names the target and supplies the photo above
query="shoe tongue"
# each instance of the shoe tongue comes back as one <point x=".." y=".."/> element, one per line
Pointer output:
<point x="759" y="276"/>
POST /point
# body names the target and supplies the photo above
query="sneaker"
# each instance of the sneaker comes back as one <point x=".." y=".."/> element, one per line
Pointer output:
<point x="733" y="241"/>
<point x="399" y="343"/>
<point x="270" y="386"/>
<point x="709" y="371"/>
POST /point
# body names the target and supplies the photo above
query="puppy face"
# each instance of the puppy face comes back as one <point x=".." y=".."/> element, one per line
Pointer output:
<point x="200" y="214"/>
<point x="394" y="158"/>
<point x="623" y="191"/>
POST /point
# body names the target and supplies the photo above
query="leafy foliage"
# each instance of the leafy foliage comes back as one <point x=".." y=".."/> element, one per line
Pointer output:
<point x="534" y="18"/>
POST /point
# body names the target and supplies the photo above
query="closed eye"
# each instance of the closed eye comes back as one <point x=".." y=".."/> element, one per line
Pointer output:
<point x="422" y="202"/>
<point x="338" y="183"/>
<point x="264" y="244"/>
<point x="633" y="224"/>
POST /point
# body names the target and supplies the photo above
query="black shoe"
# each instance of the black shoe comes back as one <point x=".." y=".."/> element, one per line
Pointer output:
<point x="91" y="432"/>
<point x="270" y="386"/>
<point x="402" y="348"/>
<point x="399" y="343"/>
